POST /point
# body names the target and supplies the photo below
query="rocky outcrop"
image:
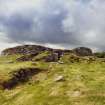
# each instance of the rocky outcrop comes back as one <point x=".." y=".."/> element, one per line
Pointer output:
<point x="37" y="49"/>
<point x="83" y="51"/>
<point x="32" y="49"/>
<point x="54" y="55"/>
<point x="60" y="53"/>
<point x="25" y="49"/>
<point x="52" y="58"/>
<point x="28" y="57"/>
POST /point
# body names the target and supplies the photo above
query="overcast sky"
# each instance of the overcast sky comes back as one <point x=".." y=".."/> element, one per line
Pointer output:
<point x="54" y="23"/>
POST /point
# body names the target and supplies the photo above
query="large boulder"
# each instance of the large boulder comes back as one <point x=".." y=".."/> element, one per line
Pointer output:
<point x="83" y="51"/>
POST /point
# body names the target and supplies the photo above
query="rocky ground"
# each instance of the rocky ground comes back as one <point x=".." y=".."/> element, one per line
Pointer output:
<point x="37" y="75"/>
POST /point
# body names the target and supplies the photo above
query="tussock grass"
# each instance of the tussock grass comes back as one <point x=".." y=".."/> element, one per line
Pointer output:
<point x="84" y="83"/>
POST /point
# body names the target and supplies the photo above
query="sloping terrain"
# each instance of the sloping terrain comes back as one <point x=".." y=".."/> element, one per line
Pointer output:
<point x="50" y="79"/>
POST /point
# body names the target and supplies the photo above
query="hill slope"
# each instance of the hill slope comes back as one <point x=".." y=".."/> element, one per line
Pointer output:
<point x="69" y="80"/>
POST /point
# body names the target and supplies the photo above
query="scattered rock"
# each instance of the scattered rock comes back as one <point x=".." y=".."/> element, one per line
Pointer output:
<point x="76" y="94"/>
<point x="60" y="62"/>
<point x="74" y="58"/>
<point x="59" y="78"/>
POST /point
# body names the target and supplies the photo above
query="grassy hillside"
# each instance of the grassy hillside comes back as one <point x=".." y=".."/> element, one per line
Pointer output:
<point x="71" y="81"/>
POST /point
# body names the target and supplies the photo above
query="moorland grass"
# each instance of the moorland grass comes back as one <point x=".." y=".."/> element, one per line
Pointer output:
<point x="84" y="83"/>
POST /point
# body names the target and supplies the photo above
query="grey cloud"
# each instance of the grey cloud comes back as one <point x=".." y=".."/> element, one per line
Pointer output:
<point x="44" y="27"/>
<point x="67" y="23"/>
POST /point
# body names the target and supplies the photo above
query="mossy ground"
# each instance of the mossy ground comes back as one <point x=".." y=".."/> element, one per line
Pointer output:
<point x="84" y="83"/>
